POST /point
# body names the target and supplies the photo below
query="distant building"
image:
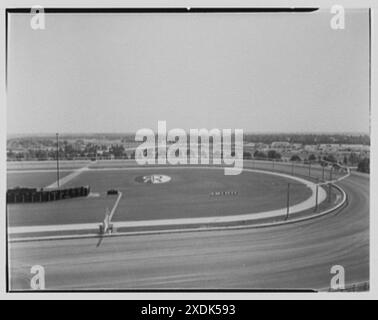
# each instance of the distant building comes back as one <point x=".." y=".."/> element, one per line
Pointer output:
<point x="16" y="150"/>
<point x="250" y="144"/>
<point x="354" y="147"/>
<point x="296" y="146"/>
<point x="280" y="144"/>
<point x="329" y="147"/>
<point x="311" y="147"/>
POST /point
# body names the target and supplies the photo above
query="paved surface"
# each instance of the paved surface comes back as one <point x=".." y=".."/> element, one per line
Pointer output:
<point x="290" y="256"/>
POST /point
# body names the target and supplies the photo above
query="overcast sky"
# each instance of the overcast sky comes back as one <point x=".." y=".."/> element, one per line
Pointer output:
<point x="122" y="72"/>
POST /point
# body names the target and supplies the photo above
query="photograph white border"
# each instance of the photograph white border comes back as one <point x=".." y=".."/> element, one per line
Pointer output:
<point x="373" y="292"/>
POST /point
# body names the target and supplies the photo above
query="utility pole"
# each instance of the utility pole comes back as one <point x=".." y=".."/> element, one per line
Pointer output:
<point x="317" y="194"/>
<point x="309" y="169"/>
<point x="57" y="159"/>
<point x="287" y="201"/>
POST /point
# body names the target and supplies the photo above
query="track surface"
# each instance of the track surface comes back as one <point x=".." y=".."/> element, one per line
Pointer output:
<point x="290" y="256"/>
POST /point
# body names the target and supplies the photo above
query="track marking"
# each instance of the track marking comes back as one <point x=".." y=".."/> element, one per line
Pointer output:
<point x="115" y="206"/>
<point x="67" y="178"/>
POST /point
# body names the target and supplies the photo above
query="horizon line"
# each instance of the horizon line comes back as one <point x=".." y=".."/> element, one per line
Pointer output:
<point x="245" y="132"/>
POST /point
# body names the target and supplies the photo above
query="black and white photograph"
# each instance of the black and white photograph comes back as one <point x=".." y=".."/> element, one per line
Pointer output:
<point x="188" y="149"/>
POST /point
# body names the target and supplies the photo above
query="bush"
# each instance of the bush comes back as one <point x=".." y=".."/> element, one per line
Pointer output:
<point x="259" y="155"/>
<point x="295" y="157"/>
<point x="364" y="165"/>
<point x="330" y="158"/>
<point x="312" y="157"/>
<point x="273" y="154"/>
<point x="247" y="155"/>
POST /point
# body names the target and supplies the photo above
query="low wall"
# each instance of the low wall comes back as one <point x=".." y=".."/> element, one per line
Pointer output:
<point x="27" y="195"/>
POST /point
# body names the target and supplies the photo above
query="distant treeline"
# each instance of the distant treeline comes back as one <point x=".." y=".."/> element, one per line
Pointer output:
<point x="268" y="138"/>
<point x="309" y="138"/>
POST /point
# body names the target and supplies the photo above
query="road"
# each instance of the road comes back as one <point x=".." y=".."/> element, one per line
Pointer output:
<point x="291" y="256"/>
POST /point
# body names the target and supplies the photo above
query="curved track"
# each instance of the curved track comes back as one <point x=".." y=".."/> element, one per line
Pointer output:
<point x="298" y="255"/>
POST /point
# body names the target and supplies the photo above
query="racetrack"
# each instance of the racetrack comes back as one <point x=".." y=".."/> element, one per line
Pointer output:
<point x="189" y="194"/>
<point x="298" y="255"/>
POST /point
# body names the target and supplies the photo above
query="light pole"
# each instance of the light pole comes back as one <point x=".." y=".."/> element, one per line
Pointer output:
<point x="287" y="201"/>
<point x="57" y="159"/>
<point x="317" y="194"/>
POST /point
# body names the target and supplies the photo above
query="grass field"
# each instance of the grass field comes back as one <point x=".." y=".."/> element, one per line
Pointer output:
<point x="187" y="194"/>
<point x="46" y="165"/>
<point x="33" y="179"/>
